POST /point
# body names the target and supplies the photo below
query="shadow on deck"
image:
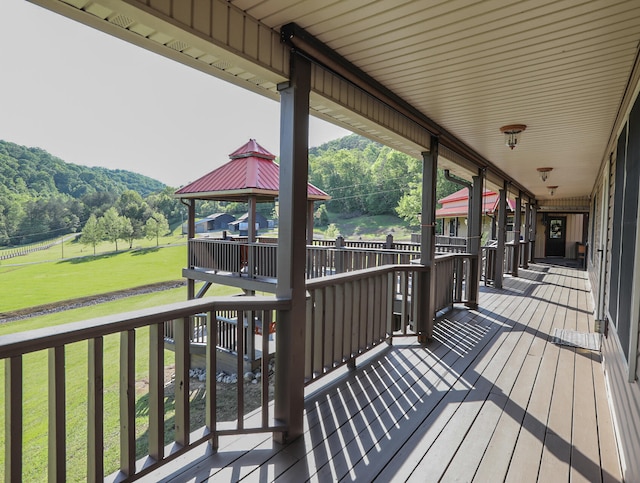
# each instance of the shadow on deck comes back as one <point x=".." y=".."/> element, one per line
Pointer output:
<point x="489" y="399"/>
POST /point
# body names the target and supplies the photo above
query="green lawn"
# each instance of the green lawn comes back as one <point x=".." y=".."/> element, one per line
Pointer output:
<point x="35" y="387"/>
<point x="34" y="284"/>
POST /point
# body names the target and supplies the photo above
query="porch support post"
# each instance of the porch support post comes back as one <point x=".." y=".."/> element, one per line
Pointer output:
<point x="527" y="230"/>
<point x="502" y="226"/>
<point x="517" y="222"/>
<point x="474" y="242"/>
<point x="294" y="162"/>
<point x="426" y="300"/>
<point x="534" y="227"/>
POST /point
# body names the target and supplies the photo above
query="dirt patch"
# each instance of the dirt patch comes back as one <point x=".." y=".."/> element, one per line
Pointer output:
<point x="226" y="397"/>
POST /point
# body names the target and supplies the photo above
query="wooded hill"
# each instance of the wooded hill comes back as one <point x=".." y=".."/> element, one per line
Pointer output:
<point x="42" y="196"/>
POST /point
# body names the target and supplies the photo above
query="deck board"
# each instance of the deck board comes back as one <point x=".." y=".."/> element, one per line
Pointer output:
<point x="490" y="399"/>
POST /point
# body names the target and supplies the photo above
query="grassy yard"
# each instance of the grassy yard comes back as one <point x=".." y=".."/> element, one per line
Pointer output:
<point x="37" y="282"/>
<point x="35" y="388"/>
<point x="31" y="284"/>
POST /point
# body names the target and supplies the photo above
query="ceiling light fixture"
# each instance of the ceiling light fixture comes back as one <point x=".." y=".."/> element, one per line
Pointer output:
<point x="544" y="173"/>
<point x="552" y="190"/>
<point x="512" y="134"/>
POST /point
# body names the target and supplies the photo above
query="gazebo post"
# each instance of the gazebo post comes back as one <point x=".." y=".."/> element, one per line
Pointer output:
<point x="310" y="222"/>
<point x="191" y="233"/>
<point x="251" y="236"/>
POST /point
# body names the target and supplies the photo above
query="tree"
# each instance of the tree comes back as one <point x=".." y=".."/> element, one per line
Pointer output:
<point x="321" y="217"/>
<point x="91" y="233"/>
<point x="155" y="226"/>
<point x="112" y="225"/>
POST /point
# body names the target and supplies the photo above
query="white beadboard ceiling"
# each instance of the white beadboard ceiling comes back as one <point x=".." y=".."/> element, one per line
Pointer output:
<point x="561" y="67"/>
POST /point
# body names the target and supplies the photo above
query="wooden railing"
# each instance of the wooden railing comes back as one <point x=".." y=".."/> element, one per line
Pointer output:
<point x="260" y="259"/>
<point x="57" y="342"/>
<point x="347" y="315"/>
<point x="489" y="254"/>
<point x="350" y="313"/>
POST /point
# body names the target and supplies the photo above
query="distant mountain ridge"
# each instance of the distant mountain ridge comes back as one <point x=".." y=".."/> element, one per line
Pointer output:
<point x="35" y="172"/>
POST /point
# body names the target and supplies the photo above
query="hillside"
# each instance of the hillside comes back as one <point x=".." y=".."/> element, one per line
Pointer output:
<point x="42" y="196"/>
<point x="34" y="171"/>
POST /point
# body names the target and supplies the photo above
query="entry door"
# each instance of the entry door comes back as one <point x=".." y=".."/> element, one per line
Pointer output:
<point x="556" y="236"/>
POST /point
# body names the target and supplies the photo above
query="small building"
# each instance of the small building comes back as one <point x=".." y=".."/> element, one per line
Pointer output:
<point x="214" y="222"/>
<point x="241" y="225"/>
<point x="455" y="211"/>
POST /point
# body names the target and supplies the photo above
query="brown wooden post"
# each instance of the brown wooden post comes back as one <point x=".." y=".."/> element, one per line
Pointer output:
<point x="426" y="300"/>
<point x="294" y="163"/>
<point x="517" y="222"/>
<point x="502" y="225"/>
<point x="309" y="222"/>
<point x="191" y="233"/>
<point x="527" y="231"/>
<point x="474" y="242"/>
<point x="532" y="237"/>
<point x="13" y="418"/>
<point x="57" y="415"/>
<point x="251" y="237"/>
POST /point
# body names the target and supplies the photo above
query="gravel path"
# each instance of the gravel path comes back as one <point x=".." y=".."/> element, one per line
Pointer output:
<point x="87" y="301"/>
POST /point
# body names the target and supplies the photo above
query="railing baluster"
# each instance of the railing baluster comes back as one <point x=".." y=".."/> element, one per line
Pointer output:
<point x="338" y="331"/>
<point x="267" y="318"/>
<point x="13" y="418"/>
<point x="127" y="402"/>
<point x="156" y="392"/>
<point x="211" y="383"/>
<point x="95" y="411"/>
<point x="57" y="416"/>
<point x="181" y="384"/>
<point x="240" y="364"/>
<point x="318" y="337"/>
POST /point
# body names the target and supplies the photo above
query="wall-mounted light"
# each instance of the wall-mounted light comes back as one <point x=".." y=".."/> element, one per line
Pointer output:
<point x="512" y="134"/>
<point x="552" y="190"/>
<point x="544" y="173"/>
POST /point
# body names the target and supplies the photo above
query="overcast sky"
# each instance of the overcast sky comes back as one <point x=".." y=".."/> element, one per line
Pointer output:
<point x="92" y="99"/>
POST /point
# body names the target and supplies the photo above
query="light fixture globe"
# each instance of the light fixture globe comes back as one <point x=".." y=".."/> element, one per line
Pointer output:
<point x="552" y="190"/>
<point x="544" y="173"/>
<point x="512" y="134"/>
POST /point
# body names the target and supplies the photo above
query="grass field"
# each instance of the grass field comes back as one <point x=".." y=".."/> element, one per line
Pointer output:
<point x="31" y="284"/>
<point x="36" y="282"/>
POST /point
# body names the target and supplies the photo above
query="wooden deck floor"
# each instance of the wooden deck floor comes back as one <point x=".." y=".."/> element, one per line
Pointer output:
<point x="490" y="399"/>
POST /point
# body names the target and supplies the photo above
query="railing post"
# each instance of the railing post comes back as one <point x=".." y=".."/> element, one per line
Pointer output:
<point x="340" y="254"/>
<point x="389" y="242"/>
<point x="57" y="416"/>
<point x="13" y="418"/>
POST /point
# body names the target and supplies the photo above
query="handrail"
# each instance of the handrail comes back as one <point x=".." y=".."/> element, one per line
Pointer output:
<point x="55" y="340"/>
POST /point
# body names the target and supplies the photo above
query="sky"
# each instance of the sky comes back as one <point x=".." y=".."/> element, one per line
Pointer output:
<point x="92" y="99"/>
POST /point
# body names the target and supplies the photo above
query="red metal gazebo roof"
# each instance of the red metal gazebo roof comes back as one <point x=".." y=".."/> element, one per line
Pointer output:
<point x="251" y="171"/>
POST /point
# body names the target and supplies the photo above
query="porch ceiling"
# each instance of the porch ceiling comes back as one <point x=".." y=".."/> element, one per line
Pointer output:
<point x="561" y="67"/>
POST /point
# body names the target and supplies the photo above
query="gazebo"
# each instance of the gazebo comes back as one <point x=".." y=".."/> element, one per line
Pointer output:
<point x="251" y="176"/>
